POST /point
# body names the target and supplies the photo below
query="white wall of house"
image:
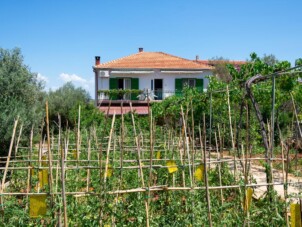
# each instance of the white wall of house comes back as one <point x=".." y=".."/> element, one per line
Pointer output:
<point x="145" y="79"/>
<point x="103" y="84"/>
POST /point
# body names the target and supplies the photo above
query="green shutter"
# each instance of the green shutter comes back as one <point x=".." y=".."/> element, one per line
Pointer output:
<point x="178" y="87"/>
<point x="199" y="85"/>
<point x="113" y="85"/>
<point x="134" y="86"/>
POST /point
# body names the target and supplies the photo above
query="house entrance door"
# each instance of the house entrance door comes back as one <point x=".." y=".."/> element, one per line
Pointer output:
<point x="158" y="89"/>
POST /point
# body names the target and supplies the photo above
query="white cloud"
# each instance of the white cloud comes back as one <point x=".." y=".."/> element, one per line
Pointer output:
<point x="42" y="78"/>
<point x="72" y="77"/>
<point x="78" y="81"/>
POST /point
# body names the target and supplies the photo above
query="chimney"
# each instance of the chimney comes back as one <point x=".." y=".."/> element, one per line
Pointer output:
<point x="97" y="60"/>
<point x="197" y="57"/>
<point x="140" y="49"/>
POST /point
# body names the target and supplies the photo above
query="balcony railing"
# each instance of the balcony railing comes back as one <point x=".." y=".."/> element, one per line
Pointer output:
<point x="139" y="95"/>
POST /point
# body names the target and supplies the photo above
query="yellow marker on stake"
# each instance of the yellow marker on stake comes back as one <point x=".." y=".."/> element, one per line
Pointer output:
<point x="75" y="154"/>
<point x="295" y="214"/>
<point x="199" y="172"/>
<point x="158" y="155"/>
<point x="32" y="170"/>
<point x="109" y="171"/>
<point x="172" y="167"/>
<point x="37" y="206"/>
<point x="248" y="198"/>
<point x="44" y="161"/>
<point x="43" y="177"/>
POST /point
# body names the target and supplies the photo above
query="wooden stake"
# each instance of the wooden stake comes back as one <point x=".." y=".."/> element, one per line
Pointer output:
<point x="88" y="170"/>
<point x="18" y="140"/>
<point x="230" y="118"/>
<point x="187" y="146"/>
<point x="78" y="134"/>
<point x="7" y="164"/>
<point x="219" y="169"/>
<point x="49" y="159"/>
<point x="207" y="187"/>
<point x="63" y="186"/>
<point x="140" y="164"/>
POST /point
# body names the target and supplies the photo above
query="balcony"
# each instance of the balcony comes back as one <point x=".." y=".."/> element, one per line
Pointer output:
<point x="134" y="96"/>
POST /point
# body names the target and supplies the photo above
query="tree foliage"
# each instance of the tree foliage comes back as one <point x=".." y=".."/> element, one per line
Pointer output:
<point x="220" y="69"/>
<point x="216" y="96"/>
<point x="21" y="95"/>
<point x="65" y="101"/>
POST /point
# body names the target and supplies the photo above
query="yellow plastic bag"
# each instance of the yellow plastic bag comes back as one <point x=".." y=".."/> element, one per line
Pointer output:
<point x="43" y="177"/>
<point x="37" y="206"/>
<point x="172" y="167"/>
<point x="295" y="214"/>
<point x="199" y="172"/>
<point x="75" y="154"/>
<point x="32" y="171"/>
<point x="44" y="160"/>
<point x="248" y="198"/>
<point x="109" y="171"/>
<point x="158" y="155"/>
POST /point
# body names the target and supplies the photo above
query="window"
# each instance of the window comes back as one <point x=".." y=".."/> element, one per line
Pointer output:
<point x="181" y="83"/>
<point x="124" y="84"/>
<point x="188" y="83"/>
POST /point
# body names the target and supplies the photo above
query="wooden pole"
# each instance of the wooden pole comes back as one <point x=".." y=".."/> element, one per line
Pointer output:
<point x="88" y="170"/>
<point x="78" y="134"/>
<point x="211" y="107"/>
<point x="49" y="158"/>
<point x="29" y="164"/>
<point x="18" y="140"/>
<point x="219" y="169"/>
<point x="207" y="187"/>
<point x="283" y="174"/>
<point x="298" y="126"/>
<point x="140" y="164"/>
<point x="187" y="145"/>
<point x="106" y="169"/>
<point x="230" y="118"/>
<point x="7" y="164"/>
<point x="63" y="185"/>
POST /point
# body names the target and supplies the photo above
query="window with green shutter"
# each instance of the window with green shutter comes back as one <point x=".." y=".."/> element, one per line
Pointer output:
<point x="134" y="86"/>
<point x="178" y="87"/>
<point x="199" y="85"/>
<point x="113" y="84"/>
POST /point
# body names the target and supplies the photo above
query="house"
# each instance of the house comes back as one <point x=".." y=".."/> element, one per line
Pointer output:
<point x="145" y="77"/>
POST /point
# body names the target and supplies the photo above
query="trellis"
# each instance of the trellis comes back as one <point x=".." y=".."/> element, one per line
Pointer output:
<point x="176" y="152"/>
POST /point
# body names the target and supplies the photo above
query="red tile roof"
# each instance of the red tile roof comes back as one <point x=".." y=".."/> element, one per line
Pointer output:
<point x="140" y="110"/>
<point x="153" y="60"/>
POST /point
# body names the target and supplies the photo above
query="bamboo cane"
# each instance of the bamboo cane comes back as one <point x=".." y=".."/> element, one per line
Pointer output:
<point x="18" y="140"/>
<point x="187" y="145"/>
<point x="151" y="160"/>
<point x="29" y="164"/>
<point x="7" y="164"/>
<point x="207" y="186"/>
<point x="230" y="118"/>
<point x="106" y="166"/>
<point x="283" y="174"/>
<point x="49" y="158"/>
<point x="63" y="186"/>
<point x="140" y="164"/>
<point x="88" y="170"/>
<point x="219" y="169"/>
<point x="78" y="134"/>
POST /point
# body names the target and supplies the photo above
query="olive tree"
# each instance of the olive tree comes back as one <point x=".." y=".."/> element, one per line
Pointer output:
<point x="65" y="102"/>
<point x="20" y="96"/>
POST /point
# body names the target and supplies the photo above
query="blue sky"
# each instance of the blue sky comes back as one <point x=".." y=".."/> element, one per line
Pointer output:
<point x="60" y="38"/>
